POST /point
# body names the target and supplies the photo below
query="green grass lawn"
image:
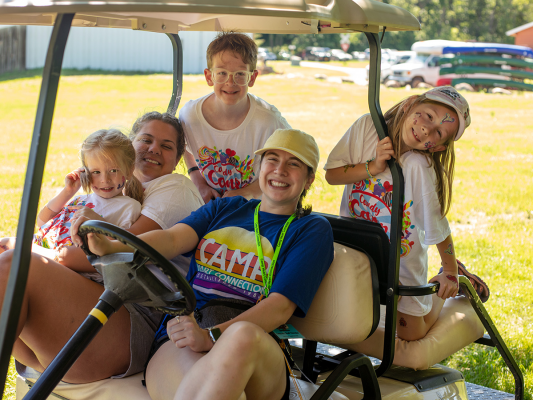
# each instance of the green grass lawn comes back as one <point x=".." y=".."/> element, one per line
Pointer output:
<point x="491" y="217"/>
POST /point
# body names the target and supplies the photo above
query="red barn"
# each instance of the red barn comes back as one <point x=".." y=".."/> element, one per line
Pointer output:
<point x="523" y="35"/>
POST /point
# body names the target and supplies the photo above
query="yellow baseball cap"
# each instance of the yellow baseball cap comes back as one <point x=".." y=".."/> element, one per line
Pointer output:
<point x="298" y="143"/>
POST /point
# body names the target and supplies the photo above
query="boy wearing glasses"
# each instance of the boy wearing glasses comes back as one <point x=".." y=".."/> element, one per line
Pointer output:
<point x="223" y="129"/>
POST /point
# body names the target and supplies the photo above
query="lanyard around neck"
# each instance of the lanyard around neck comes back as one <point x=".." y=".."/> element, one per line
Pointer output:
<point x="267" y="279"/>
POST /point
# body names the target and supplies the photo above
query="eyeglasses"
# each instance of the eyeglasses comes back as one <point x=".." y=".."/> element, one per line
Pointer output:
<point x="221" y="75"/>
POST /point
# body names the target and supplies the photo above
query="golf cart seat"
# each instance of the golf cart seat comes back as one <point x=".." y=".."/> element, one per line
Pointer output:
<point x="457" y="327"/>
<point x="330" y="319"/>
<point x="130" y="388"/>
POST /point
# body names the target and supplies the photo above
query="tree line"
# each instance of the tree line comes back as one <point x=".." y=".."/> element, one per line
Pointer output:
<point x="464" y="20"/>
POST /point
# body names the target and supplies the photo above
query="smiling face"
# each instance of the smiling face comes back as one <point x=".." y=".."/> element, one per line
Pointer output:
<point x="282" y="179"/>
<point x="106" y="178"/>
<point x="429" y="126"/>
<point x="229" y="93"/>
<point x="156" y="149"/>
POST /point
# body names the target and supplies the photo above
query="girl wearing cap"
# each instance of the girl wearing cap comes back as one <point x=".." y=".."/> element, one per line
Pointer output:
<point x="422" y="130"/>
<point x="255" y="264"/>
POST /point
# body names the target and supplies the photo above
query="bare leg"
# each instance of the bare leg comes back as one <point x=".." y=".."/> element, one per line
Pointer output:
<point x="7" y="243"/>
<point x="167" y="368"/>
<point x="409" y="327"/>
<point x="246" y="359"/>
<point x="56" y="302"/>
<point x="245" y="363"/>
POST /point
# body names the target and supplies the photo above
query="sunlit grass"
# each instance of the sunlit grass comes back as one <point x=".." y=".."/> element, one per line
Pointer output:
<point x="492" y="213"/>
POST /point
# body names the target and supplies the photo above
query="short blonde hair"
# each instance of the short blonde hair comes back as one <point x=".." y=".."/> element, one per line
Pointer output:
<point x="237" y="43"/>
<point x="114" y="146"/>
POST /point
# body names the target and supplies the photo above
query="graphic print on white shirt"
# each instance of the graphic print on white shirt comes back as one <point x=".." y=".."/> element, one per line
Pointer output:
<point x="226" y="158"/>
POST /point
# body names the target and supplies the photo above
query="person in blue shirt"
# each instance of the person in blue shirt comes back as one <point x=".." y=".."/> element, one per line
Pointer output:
<point x="255" y="264"/>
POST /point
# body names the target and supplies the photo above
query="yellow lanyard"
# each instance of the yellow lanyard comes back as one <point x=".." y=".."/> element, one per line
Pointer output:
<point x="267" y="278"/>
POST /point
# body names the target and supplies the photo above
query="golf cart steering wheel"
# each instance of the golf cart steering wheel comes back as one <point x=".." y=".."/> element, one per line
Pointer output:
<point x="179" y="300"/>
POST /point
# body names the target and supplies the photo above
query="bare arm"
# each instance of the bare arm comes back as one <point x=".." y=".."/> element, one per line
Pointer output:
<point x="252" y="191"/>
<point x="206" y="191"/>
<point x="355" y="173"/>
<point x="171" y="242"/>
<point x="54" y="206"/>
<point x="270" y="313"/>
<point x="74" y="257"/>
<point x="347" y="174"/>
<point x="448" y="279"/>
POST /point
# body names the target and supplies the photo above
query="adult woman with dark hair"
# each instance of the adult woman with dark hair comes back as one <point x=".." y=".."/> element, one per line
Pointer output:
<point x="57" y="299"/>
<point x="267" y="257"/>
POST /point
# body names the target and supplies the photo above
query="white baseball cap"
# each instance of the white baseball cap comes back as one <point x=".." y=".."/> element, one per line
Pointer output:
<point x="452" y="98"/>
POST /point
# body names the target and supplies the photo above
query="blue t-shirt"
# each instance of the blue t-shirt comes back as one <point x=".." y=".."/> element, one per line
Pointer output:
<point x="225" y="262"/>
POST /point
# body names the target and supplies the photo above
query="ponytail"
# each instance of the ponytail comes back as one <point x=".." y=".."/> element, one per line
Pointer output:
<point x="134" y="189"/>
<point x="302" y="211"/>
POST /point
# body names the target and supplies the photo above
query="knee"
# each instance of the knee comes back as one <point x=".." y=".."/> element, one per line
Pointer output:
<point x="5" y="264"/>
<point x="246" y="335"/>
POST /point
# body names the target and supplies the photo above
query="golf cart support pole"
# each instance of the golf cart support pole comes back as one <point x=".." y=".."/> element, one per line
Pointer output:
<point x="177" y="69"/>
<point x="495" y="337"/>
<point x="18" y="275"/>
<point x="397" y="204"/>
<point x="109" y="303"/>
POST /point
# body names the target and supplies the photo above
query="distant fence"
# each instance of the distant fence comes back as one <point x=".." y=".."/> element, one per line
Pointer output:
<point x="12" y="48"/>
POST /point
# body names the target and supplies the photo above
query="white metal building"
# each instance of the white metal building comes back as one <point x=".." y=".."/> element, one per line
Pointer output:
<point x="119" y="49"/>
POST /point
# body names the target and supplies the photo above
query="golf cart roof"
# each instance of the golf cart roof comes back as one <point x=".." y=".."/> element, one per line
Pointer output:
<point x="255" y="16"/>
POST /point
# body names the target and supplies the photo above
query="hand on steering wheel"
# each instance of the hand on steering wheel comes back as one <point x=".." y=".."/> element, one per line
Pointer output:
<point x="180" y="301"/>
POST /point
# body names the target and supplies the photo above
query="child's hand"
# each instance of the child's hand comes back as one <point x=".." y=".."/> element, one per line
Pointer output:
<point x="207" y="192"/>
<point x="449" y="284"/>
<point x="80" y="216"/>
<point x="73" y="180"/>
<point x="99" y="244"/>
<point x="384" y="152"/>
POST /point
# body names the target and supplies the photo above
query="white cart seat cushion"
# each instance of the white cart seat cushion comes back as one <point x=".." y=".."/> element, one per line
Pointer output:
<point x="129" y="388"/>
<point x="341" y="311"/>
<point x="458" y="326"/>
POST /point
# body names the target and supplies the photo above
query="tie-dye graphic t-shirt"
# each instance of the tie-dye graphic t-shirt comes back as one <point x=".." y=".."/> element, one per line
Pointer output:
<point x="225" y="263"/>
<point x="122" y="211"/>
<point x="226" y="158"/>
<point x="371" y="200"/>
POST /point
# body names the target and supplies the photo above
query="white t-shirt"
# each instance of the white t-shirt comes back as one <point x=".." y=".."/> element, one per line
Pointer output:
<point x="371" y="199"/>
<point x="122" y="211"/>
<point x="226" y="158"/>
<point x="167" y="200"/>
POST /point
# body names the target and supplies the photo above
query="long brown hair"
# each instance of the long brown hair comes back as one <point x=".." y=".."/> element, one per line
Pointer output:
<point x="443" y="162"/>
<point x="114" y="146"/>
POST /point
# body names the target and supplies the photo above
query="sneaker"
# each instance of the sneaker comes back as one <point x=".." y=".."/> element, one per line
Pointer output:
<point x="479" y="285"/>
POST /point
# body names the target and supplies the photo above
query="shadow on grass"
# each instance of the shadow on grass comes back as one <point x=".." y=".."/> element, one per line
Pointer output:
<point x="38" y="73"/>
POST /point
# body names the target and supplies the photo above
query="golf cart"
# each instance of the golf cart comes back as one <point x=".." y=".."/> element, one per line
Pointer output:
<point x="364" y="273"/>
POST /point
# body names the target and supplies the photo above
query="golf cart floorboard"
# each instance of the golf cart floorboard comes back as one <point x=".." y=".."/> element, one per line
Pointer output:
<point x="475" y="392"/>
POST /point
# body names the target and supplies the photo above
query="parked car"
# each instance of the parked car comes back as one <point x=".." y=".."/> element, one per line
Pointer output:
<point x="419" y="68"/>
<point x="340" y="55"/>
<point x="358" y="55"/>
<point x="284" y="55"/>
<point x="265" y="54"/>
<point x="390" y="59"/>
<point x="317" y="53"/>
